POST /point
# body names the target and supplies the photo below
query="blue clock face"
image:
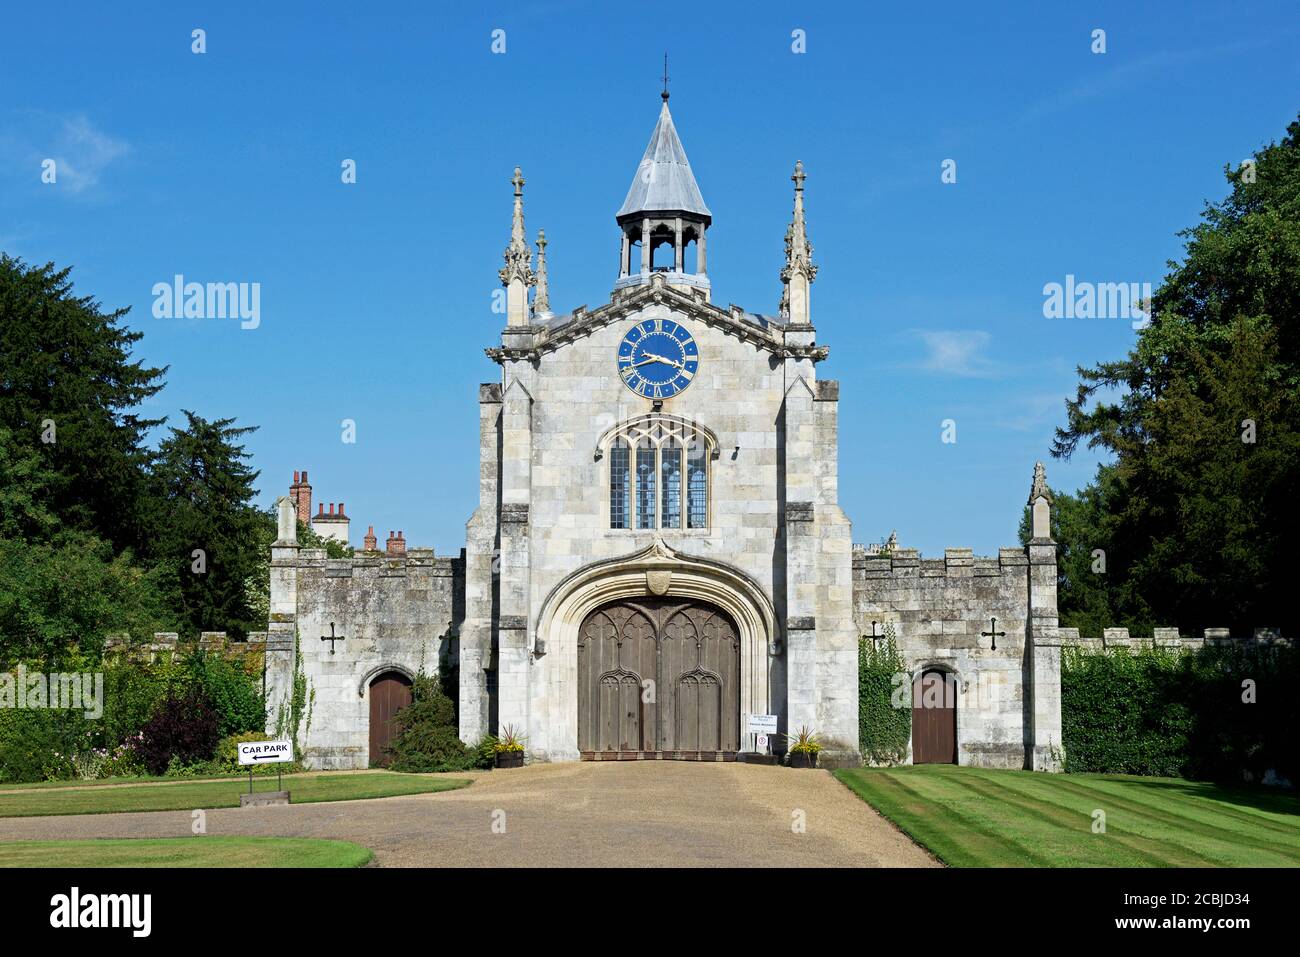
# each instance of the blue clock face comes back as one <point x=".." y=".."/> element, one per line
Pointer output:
<point x="657" y="358"/>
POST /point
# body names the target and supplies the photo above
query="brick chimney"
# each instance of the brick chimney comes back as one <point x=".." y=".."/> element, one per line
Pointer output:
<point x="300" y="495"/>
<point x="372" y="543"/>
<point x="396" y="544"/>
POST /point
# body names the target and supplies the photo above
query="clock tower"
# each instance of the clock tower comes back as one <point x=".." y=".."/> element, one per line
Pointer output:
<point x="658" y="504"/>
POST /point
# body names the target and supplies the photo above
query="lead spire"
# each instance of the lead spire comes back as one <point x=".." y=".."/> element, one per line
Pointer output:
<point x="799" y="271"/>
<point x="517" y="274"/>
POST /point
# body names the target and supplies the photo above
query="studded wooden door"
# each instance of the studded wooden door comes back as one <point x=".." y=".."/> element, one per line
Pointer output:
<point x="390" y="692"/>
<point x="934" y="718"/>
<point x="658" y="678"/>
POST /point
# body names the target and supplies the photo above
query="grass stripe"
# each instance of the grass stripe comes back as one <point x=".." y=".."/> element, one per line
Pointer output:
<point x="1071" y="818"/>
<point x="1278" y="821"/>
<point x="1188" y="818"/>
<point x="975" y="817"/>
<point x="934" y="831"/>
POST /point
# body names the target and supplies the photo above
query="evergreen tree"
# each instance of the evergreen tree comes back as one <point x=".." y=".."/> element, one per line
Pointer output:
<point x="1201" y="493"/>
<point x="69" y="392"/>
<point x="209" y="536"/>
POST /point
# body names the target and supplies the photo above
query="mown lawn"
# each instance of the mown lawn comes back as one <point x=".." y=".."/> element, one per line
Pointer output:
<point x="185" y="852"/>
<point x="971" y="817"/>
<point x="305" y="789"/>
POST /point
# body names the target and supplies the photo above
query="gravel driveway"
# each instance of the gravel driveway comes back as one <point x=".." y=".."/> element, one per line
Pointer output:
<point x="635" y="813"/>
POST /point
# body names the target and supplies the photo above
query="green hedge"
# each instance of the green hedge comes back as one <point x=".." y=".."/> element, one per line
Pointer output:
<point x="1183" y="713"/>
<point x="884" y="716"/>
<point x="45" y="744"/>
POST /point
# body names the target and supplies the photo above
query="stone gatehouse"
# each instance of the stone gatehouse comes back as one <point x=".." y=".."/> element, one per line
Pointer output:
<point x="658" y="549"/>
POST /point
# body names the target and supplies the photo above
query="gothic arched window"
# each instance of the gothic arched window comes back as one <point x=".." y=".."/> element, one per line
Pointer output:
<point x="659" y="473"/>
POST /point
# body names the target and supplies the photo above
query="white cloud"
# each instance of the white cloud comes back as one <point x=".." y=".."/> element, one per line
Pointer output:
<point x="82" y="153"/>
<point x="958" y="353"/>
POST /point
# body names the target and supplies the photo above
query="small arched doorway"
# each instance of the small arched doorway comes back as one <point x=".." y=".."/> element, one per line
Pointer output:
<point x="934" y="717"/>
<point x="659" y="677"/>
<point x="390" y="692"/>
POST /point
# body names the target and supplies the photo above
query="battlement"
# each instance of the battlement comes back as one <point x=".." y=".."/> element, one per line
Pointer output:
<point x="412" y="563"/>
<point x="168" y="643"/>
<point x="1114" y="638"/>
<point x="871" y="562"/>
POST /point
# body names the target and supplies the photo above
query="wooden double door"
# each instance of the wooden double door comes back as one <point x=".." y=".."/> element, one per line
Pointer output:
<point x="659" y="677"/>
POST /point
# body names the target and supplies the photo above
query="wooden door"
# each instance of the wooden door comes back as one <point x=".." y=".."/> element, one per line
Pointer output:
<point x="661" y="677"/>
<point x="934" y="718"/>
<point x="390" y="692"/>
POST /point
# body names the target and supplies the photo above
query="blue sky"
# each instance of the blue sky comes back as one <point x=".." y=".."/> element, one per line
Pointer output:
<point x="376" y="297"/>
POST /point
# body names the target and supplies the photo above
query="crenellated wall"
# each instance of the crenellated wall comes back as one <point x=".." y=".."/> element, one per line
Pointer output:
<point x="940" y="611"/>
<point x="1113" y="639"/>
<point x="392" y="612"/>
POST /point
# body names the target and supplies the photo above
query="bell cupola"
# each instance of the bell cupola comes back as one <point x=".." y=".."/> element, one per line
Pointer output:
<point x="664" y="220"/>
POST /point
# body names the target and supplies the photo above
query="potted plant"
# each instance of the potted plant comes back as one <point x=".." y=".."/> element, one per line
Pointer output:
<point x="509" y="747"/>
<point x="803" y="748"/>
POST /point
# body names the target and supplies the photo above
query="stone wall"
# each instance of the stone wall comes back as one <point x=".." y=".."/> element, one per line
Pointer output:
<point x="1113" y="639"/>
<point x="249" y="653"/>
<point x="393" y="613"/>
<point x="940" y="609"/>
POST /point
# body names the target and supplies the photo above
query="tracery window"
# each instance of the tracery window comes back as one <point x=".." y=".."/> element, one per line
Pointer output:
<point x="659" y="473"/>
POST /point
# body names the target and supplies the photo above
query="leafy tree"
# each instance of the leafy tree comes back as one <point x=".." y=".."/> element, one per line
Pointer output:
<point x="62" y="599"/>
<point x="210" y="540"/>
<point x="68" y="393"/>
<point x="1203" y="425"/>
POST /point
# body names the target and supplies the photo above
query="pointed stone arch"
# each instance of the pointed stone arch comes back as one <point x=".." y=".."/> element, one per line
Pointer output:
<point x="656" y="569"/>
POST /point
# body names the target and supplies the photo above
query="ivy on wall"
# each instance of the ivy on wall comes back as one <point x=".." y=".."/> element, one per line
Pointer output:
<point x="884" y="700"/>
<point x="1221" y="712"/>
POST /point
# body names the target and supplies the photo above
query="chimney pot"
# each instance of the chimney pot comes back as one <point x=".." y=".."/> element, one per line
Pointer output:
<point x="321" y="508"/>
<point x="304" y="476"/>
<point x="295" y="478"/>
<point x="340" y="508"/>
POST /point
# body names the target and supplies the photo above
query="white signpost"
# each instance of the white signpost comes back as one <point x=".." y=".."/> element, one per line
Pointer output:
<point x="760" y="726"/>
<point x="265" y="752"/>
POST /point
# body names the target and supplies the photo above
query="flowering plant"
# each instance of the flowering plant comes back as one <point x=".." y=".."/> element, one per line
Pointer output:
<point x="510" y="740"/>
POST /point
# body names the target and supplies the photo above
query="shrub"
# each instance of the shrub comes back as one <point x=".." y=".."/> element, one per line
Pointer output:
<point x="426" y="738"/>
<point x="232" y="691"/>
<point x="132" y="691"/>
<point x="185" y="729"/>
<point x="884" y="730"/>
<point x="484" y="753"/>
<point x="36" y="744"/>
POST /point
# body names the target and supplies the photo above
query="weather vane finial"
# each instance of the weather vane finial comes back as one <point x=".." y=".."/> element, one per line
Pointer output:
<point x="664" y="94"/>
